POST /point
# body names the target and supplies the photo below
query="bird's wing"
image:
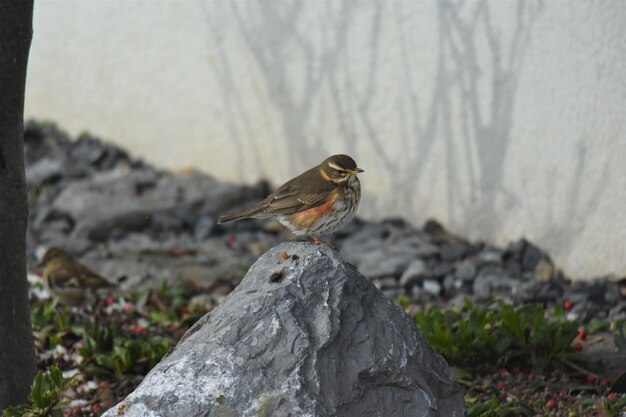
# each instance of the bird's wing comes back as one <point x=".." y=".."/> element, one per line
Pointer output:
<point x="76" y="275"/>
<point x="90" y="278"/>
<point x="306" y="191"/>
<point x="293" y="196"/>
<point x="63" y="277"/>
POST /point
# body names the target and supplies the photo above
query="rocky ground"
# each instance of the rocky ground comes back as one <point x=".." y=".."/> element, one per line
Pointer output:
<point x="143" y="226"/>
<point x="129" y="219"/>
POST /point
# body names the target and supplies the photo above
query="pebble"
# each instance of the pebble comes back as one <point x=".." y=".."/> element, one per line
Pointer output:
<point x="414" y="273"/>
<point x="466" y="270"/>
<point x="431" y="286"/>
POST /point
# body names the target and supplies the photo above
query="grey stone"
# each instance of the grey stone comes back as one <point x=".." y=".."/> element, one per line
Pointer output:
<point x="138" y="199"/>
<point x="490" y="255"/>
<point x="515" y="269"/>
<point x="488" y="285"/>
<point x="515" y="250"/>
<point x="42" y="171"/>
<point x="385" y="261"/>
<point x="432" y="286"/>
<point x="586" y="310"/>
<point x="392" y="293"/>
<point x="414" y="274"/>
<point x="451" y="251"/>
<point x="532" y="256"/>
<point x="442" y="269"/>
<point x="386" y="283"/>
<point x="147" y="262"/>
<point x="606" y="356"/>
<point x="203" y="228"/>
<point x="451" y="284"/>
<point x="376" y="236"/>
<point x="427" y="250"/>
<point x="316" y="340"/>
<point x="536" y="292"/>
<point x="612" y="295"/>
<point x="466" y="270"/>
<point x="618" y="312"/>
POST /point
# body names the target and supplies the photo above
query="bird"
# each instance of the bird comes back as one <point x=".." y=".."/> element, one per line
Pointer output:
<point x="71" y="282"/>
<point x="317" y="202"/>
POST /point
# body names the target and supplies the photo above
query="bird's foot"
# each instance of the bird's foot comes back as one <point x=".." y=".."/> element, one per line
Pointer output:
<point x="318" y="241"/>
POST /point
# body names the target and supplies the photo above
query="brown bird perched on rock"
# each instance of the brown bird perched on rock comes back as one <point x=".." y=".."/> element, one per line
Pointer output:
<point x="317" y="202"/>
<point x="70" y="281"/>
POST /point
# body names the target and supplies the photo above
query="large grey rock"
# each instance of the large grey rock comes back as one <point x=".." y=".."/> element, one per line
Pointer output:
<point x="305" y="336"/>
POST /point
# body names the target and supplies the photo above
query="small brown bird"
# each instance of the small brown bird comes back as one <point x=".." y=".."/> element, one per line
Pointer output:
<point x="317" y="202"/>
<point x="70" y="281"/>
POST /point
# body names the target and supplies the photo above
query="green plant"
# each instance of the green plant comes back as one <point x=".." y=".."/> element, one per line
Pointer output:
<point x="526" y="333"/>
<point x="494" y="408"/>
<point x="50" y="322"/>
<point x="471" y="335"/>
<point x="106" y="352"/>
<point x="619" y="337"/>
<point x="47" y="396"/>
<point x="169" y="305"/>
<point x="462" y="336"/>
<point x="614" y="408"/>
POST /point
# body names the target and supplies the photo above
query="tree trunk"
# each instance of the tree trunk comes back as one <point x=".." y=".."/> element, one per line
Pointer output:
<point x="17" y="354"/>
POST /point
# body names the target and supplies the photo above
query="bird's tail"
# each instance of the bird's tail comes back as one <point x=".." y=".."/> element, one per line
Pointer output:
<point x="241" y="214"/>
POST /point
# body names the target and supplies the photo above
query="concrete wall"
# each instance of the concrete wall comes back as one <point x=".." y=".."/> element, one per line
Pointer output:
<point x="500" y="118"/>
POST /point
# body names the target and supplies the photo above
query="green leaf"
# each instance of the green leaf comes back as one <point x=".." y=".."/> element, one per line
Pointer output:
<point x="619" y="385"/>
<point x="36" y="391"/>
<point x="619" y="336"/>
<point x="57" y="376"/>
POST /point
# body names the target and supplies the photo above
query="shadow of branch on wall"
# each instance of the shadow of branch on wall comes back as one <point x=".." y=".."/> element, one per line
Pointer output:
<point x="565" y="222"/>
<point x="483" y="97"/>
<point x="306" y="60"/>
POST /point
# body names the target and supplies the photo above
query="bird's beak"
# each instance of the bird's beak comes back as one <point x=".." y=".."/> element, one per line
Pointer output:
<point x="358" y="171"/>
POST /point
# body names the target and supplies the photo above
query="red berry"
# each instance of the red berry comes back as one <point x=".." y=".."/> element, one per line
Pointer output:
<point x="582" y="334"/>
<point x="502" y="371"/>
<point x="501" y="385"/>
<point x="550" y="404"/>
<point x="605" y="381"/>
<point x="567" y="305"/>
<point x="137" y="328"/>
<point x="578" y="346"/>
<point x="230" y="240"/>
<point x="110" y="300"/>
<point x="612" y="396"/>
<point x="562" y="393"/>
<point x="591" y="379"/>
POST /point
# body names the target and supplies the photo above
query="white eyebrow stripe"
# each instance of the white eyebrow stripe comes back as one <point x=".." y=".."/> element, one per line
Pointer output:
<point x="334" y="166"/>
